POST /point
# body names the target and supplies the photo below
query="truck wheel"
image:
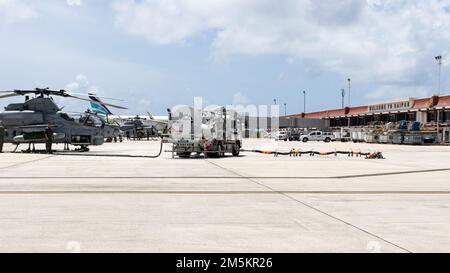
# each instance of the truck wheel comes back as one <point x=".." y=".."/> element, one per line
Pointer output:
<point x="236" y="150"/>
<point x="305" y="139"/>
<point x="219" y="151"/>
<point x="184" y="155"/>
<point x="216" y="154"/>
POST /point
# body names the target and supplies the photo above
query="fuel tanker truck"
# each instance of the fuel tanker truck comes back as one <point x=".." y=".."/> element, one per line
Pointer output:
<point x="212" y="133"/>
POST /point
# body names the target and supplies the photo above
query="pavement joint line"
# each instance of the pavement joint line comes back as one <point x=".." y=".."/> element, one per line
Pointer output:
<point x="316" y="209"/>
<point x="26" y="162"/>
<point x="348" y="223"/>
<point x="219" y="177"/>
<point x="266" y="192"/>
<point x="107" y="155"/>
<point x="391" y="173"/>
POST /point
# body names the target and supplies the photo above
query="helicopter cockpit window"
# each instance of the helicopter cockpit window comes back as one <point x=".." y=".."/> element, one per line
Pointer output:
<point x="88" y="120"/>
<point x="94" y="121"/>
<point x="66" y="116"/>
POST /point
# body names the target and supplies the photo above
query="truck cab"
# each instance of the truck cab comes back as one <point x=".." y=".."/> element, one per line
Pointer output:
<point x="217" y="133"/>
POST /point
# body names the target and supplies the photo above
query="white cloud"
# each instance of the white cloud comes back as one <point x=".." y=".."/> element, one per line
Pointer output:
<point x="387" y="42"/>
<point x="73" y="2"/>
<point x="400" y="92"/>
<point x="240" y="99"/>
<point x="81" y="85"/>
<point x="161" y="22"/>
<point x="13" y="11"/>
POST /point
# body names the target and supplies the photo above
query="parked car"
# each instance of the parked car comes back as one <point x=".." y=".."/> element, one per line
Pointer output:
<point x="294" y="136"/>
<point x="318" y="136"/>
<point x="281" y="136"/>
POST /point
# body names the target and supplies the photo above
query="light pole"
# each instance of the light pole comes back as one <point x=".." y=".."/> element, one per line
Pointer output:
<point x="439" y="61"/>
<point x="285" y="111"/>
<point x="343" y="97"/>
<point x="275" y="101"/>
<point x="349" y="91"/>
<point x="304" y="101"/>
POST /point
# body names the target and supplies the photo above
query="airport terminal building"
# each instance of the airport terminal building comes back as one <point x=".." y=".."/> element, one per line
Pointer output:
<point x="427" y="111"/>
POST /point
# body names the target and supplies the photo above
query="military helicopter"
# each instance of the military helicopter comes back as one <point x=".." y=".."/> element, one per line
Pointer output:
<point x="134" y="127"/>
<point x="26" y="122"/>
<point x="137" y="128"/>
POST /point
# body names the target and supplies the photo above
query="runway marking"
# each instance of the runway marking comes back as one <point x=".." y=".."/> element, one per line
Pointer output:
<point x="221" y="177"/>
<point x="177" y="192"/>
<point x="316" y="209"/>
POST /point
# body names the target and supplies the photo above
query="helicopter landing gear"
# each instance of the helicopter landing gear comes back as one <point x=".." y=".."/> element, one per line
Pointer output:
<point x="31" y="148"/>
<point x="66" y="146"/>
<point x="15" y="148"/>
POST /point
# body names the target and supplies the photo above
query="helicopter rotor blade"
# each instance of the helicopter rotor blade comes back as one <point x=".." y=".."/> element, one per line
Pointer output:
<point x="100" y="97"/>
<point x="89" y="100"/>
<point x="8" y="95"/>
<point x="36" y="91"/>
<point x="93" y="94"/>
<point x="64" y="93"/>
<point x="48" y="92"/>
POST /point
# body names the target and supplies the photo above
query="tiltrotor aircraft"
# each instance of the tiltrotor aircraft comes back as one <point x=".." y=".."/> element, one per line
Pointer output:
<point x="26" y="122"/>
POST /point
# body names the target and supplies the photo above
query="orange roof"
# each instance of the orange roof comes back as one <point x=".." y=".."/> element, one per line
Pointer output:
<point x="444" y="101"/>
<point x="358" y="110"/>
<point x="328" y="113"/>
<point x="338" y="112"/>
<point x="422" y="103"/>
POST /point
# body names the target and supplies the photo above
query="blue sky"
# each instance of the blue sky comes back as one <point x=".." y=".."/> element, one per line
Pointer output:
<point x="157" y="54"/>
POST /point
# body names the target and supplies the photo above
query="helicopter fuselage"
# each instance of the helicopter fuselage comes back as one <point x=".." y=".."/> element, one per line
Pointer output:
<point x="26" y="123"/>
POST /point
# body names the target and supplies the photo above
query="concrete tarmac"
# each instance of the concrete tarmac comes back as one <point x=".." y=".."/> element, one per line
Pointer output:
<point x="254" y="203"/>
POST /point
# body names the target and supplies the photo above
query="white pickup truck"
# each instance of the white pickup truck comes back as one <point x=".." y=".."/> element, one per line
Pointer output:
<point x="281" y="136"/>
<point x="318" y="136"/>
